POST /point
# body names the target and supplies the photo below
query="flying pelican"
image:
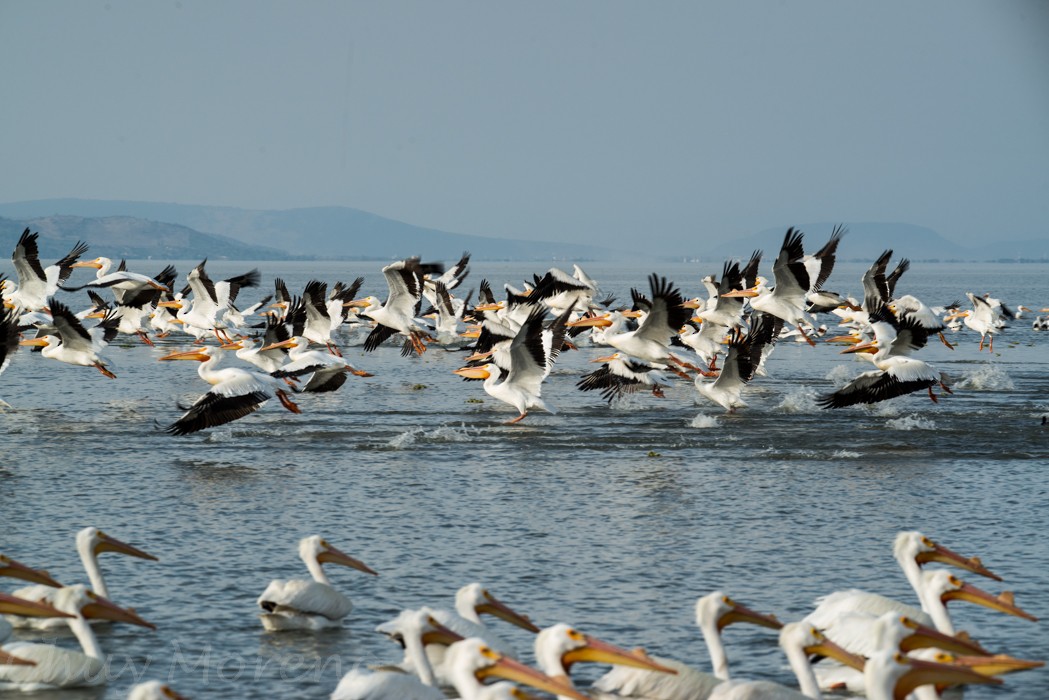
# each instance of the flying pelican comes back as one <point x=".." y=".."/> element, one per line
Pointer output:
<point x="620" y="375"/>
<point x="532" y="355"/>
<point x="328" y="372"/>
<point x="450" y="278"/>
<point x="74" y="344"/>
<point x="120" y="279"/>
<point x="741" y="363"/>
<point x="35" y="283"/>
<point x="153" y="690"/>
<point x="983" y="318"/>
<point x="559" y="647"/>
<point x="313" y="605"/>
<point x="90" y="542"/>
<point x="798" y="641"/>
<point x="210" y="298"/>
<point x="714" y="612"/>
<point x="405" y="281"/>
<point x="234" y="393"/>
<point x="64" y="668"/>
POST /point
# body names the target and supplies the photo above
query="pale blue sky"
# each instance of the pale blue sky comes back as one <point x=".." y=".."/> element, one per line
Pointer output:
<point x="571" y="120"/>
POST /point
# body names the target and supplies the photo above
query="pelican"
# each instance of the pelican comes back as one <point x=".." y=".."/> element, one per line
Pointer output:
<point x="311" y="605"/>
<point x="317" y="321"/>
<point x="153" y="690"/>
<point x="620" y="375"/>
<point x="8" y="340"/>
<point x="211" y="298"/>
<point x="889" y="675"/>
<point x="35" y="283"/>
<point x="254" y="350"/>
<point x="74" y="344"/>
<point x="64" y="668"/>
<point x="12" y="605"/>
<point x="90" y="542"/>
<point x="327" y="371"/>
<point x="912" y="550"/>
<point x="532" y="355"/>
<point x="714" y="612"/>
<point x="559" y="647"/>
<point x="120" y="279"/>
<point x="939" y="587"/>
<point x="450" y="278"/>
<point x="798" y="641"/>
<point x="405" y="281"/>
<point x="471" y="601"/>
<point x="745" y="353"/>
<point x="234" y="393"/>
<point x="983" y="318"/>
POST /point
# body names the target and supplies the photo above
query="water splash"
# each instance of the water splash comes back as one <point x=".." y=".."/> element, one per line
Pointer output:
<point x="799" y="401"/>
<point x="444" y="433"/>
<point x="987" y="378"/>
<point x="845" y="454"/>
<point x="911" y="422"/>
<point x="704" y="421"/>
<point x="840" y="375"/>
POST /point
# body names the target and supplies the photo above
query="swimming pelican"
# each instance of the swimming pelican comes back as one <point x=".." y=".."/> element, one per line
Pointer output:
<point x="532" y="355"/>
<point x="74" y="344"/>
<point x="35" y="283"/>
<point x="889" y="675"/>
<point x="153" y="690"/>
<point x="234" y="393"/>
<point x="90" y="542"/>
<point x="12" y="605"/>
<point x="714" y="612"/>
<point x="57" y="667"/>
<point x="313" y="605"/>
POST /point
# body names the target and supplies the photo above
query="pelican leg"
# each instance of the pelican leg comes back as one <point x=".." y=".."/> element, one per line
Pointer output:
<point x="657" y="391"/>
<point x="102" y="368"/>
<point x="359" y="372"/>
<point x="991" y="347"/>
<point x="165" y="334"/>
<point x="946" y="388"/>
<point x="945" y="341"/>
<point x="334" y="349"/>
<point x="805" y="335"/>
<point x="686" y="365"/>
<point x="286" y="402"/>
<point x="933" y="396"/>
<point x="981" y="344"/>
<point x="713" y="366"/>
<point x="145" y="338"/>
<point x="516" y="420"/>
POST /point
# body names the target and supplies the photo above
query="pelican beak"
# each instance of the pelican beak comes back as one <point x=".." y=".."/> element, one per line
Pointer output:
<point x="696" y="319"/>
<point x="13" y="605"/>
<point x="9" y="305"/>
<point x="235" y="345"/>
<point x="1002" y="603"/>
<point x="932" y="673"/>
<point x="752" y="292"/>
<point x="88" y="263"/>
<point x="869" y="347"/>
<point x="472" y="372"/>
<point x="943" y="555"/>
<point x="187" y="355"/>
<point x="9" y="660"/>
<point x="489" y="307"/>
<point x="102" y="609"/>
<point x="494" y="606"/>
<point x="825" y="647"/>
<point x="597" y="651"/>
<point x="509" y="669"/>
<point x="13" y="569"/>
<point x="439" y="634"/>
<point x="112" y="544"/>
<point x="479" y="356"/>
<point x="849" y="339"/>
<point x="331" y="555"/>
<point x="741" y="613"/>
<point x="41" y="342"/>
<point x="289" y="343"/>
<point x="606" y="358"/>
<point x="590" y="322"/>
<point x="924" y="637"/>
<point x="96" y="314"/>
<point x="171" y="304"/>
<point x="691" y="304"/>
<point x="997" y="665"/>
<point x="631" y="314"/>
<point x="362" y="303"/>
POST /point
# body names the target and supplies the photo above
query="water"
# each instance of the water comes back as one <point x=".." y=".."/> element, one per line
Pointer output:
<point x="612" y="519"/>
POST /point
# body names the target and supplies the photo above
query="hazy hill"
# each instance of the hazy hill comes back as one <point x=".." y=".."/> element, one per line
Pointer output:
<point x="322" y="232"/>
<point x="127" y="237"/>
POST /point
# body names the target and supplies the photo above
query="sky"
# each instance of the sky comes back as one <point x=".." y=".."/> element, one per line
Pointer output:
<point x="631" y="123"/>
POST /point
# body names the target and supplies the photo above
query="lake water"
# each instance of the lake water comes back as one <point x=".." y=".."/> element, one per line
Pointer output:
<point x="612" y="519"/>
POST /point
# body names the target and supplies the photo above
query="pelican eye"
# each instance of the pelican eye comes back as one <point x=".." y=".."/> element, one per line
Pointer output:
<point x="899" y="658"/>
<point x="816" y="633"/>
<point x="927" y="542"/>
<point x="576" y="635"/>
<point x="954" y="580"/>
<point x="908" y="622"/>
<point x="945" y="658"/>
<point x="727" y="601"/>
<point x="489" y="653"/>
<point x="324" y="543"/>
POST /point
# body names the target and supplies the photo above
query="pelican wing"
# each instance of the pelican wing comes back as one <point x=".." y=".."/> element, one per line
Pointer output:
<point x="69" y="328"/>
<point x="26" y="258"/>
<point x="629" y="682"/>
<point x="878" y="385"/>
<point x="367" y="684"/>
<point x="529" y="354"/>
<point x="792" y="277"/>
<point x="405" y="282"/>
<point x="667" y="314"/>
<point x="55" y="667"/>
<point x="875" y="287"/>
<point x="8" y="337"/>
<point x="305" y="597"/>
<point x="239" y="394"/>
<point x="820" y="265"/>
<point x="202" y="286"/>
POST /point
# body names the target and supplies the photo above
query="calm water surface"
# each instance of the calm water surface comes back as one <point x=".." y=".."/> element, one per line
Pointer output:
<point x="611" y="519"/>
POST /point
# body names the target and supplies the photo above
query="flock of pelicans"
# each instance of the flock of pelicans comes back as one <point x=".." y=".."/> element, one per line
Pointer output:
<point x="656" y="339"/>
<point x="854" y="640"/>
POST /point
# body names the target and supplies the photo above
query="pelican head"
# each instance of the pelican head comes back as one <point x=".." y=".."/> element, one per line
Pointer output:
<point x="316" y="549"/>
<point x="81" y="602"/>
<point x="889" y="674"/>
<point x="812" y="642"/>
<point x="896" y="631"/>
<point x="98" y="263"/>
<point x="558" y="647"/>
<point x="91" y="541"/>
<point x="472" y="661"/>
<point x="44" y="341"/>
<point x="473" y="600"/>
<point x="418" y="624"/>
<point x="199" y="354"/>
<point x="13" y="605"/>
<point x="718" y="610"/>
<point x="481" y="372"/>
<point x="946" y="587"/>
<point x="912" y="544"/>
<point x="13" y="569"/>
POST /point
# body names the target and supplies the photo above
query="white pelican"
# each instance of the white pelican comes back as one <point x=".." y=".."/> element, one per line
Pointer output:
<point x="64" y="668"/>
<point x="471" y="601"/>
<point x="35" y="283"/>
<point x="153" y="690"/>
<point x="312" y="605"/>
<point x="120" y="279"/>
<point x="74" y="344"/>
<point x="889" y="675"/>
<point x="327" y="371"/>
<point x="90" y="542"/>
<point x="317" y="323"/>
<point x="252" y="350"/>
<point x="450" y="278"/>
<point x="798" y="641"/>
<point x="559" y="647"/>
<point x="405" y="281"/>
<point x="912" y="550"/>
<point x="448" y="313"/>
<point x="21" y="608"/>
<point x="983" y="318"/>
<point x="714" y="612"/>
<point x="938" y="587"/>
<point x="620" y="375"/>
<point x="235" y="318"/>
<point x="745" y="354"/>
<point x="532" y="355"/>
<point x="8" y="340"/>
<point x="234" y="393"/>
<point x="796" y="276"/>
<point x="897" y="374"/>
<point x="211" y="298"/>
